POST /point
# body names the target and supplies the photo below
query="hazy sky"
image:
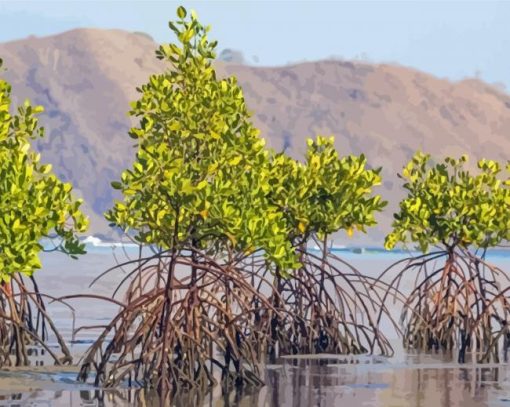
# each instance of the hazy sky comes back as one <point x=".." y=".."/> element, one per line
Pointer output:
<point x="449" y="39"/>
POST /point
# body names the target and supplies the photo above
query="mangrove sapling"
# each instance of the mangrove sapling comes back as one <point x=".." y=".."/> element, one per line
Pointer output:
<point x="34" y="204"/>
<point x="458" y="301"/>
<point x="197" y="191"/>
<point x="320" y="304"/>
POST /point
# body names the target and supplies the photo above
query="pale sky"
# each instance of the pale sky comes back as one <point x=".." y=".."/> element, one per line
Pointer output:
<point x="453" y="39"/>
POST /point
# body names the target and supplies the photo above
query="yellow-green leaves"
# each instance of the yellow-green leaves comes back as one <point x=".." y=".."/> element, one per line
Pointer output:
<point x="327" y="193"/>
<point x="447" y="205"/>
<point x="201" y="172"/>
<point x="181" y="12"/>
<point x="202" y="176"/>
<point x="33" y="201"/>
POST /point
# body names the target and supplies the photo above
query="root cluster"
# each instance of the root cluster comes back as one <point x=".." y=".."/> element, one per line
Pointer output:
<point x="182" y="327"/>
<point x="458" y="301"/>
<point x="327" y="306"/>
<point x="24" y="322"/>
<point x="188" y="321"/>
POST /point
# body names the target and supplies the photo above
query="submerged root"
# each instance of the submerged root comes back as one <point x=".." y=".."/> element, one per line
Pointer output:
<point x="24" y="323"/>
<point x="322" y="309"/>
<point x="179" y="330"/>
<point x="462" y="304"/>
<point x="188" y="321"/>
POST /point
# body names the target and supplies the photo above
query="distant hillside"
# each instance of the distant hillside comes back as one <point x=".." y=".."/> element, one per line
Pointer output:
<point x="85" y="78"/>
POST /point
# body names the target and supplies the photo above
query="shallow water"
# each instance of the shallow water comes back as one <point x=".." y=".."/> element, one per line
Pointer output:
<point x="298" y="383"/>
<point x="403" y="380"/>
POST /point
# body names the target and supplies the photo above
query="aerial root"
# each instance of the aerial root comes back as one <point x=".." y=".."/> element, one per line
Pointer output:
<point x="188" y="322"/>
<point x="25" y="322"/>
<point x="322" y="308"/>
<point x="462" y="304"/>
<point x="176" y="332"/>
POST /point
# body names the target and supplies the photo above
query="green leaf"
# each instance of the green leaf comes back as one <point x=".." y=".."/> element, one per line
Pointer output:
<point x="181" y="12"/>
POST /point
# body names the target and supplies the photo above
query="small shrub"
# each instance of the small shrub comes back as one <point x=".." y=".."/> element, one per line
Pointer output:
<point x="34" y="204"/>
<point x="462" y="303"/>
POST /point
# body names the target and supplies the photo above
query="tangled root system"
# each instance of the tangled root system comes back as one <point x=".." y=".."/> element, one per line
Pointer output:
<point x="327" y="306"/>
<point x="183" y="326"/>
<point x="458" y="301"/>
<point x="25" y="322"/>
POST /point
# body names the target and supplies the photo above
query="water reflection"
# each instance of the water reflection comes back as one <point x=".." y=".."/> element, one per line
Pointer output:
<point x="300" y="384"/>
<point x="319" y="384"/>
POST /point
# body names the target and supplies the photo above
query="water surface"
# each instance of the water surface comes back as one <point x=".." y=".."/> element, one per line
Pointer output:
<point x="404" y="380"/>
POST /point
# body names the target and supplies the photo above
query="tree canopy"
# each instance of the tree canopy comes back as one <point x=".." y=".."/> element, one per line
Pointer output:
<point x="448" y="205"/>
<point x="34" y="203"/>
<point x="326" y="193"/>
<point x="201" y="170"/>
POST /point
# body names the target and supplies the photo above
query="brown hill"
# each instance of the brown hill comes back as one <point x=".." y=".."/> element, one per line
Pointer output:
<point x="85" y="78"/>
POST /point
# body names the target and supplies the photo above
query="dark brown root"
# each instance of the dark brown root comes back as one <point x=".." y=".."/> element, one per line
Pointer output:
<point x="188" y="321"/>
<point x="25" y="323"/>
<point x="327" y="306"/>
<point x="183" y="326"/>
<point x="461" y="304"/>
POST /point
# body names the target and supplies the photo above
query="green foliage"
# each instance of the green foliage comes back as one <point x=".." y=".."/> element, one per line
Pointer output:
<point x="33" y="201"/>
<point x="203" y="186"/>
<point x="448" y="205"/>
<point x="326" y="193"/>
<point x="201" y="171"/>
<point x="202" y="175"/>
